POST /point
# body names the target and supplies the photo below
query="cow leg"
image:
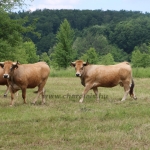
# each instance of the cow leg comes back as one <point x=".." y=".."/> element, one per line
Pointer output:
<point x="12" y="95"/>
<point x="43" y="96"/>
<point x="131" y="92"/>
<point x="17" y="94"/>
<point x="6" y="92"/>
<point x="24" y="95"/>
<point x="40" y="91"/>
<point x="41" y="88"/>
<point x="38" y="94"/>
<point x="87" y="88"/>
<point x="12" y="99"/>
<point x="95" y="89"/>
<point x="126" y="89"/>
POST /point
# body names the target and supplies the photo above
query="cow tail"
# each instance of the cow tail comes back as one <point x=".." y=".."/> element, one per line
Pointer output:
<point x="131" y="88"/>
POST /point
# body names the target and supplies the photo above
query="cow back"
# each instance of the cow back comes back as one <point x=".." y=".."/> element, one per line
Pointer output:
<point x="106" y="76"/>
<point x="31" y="75"/>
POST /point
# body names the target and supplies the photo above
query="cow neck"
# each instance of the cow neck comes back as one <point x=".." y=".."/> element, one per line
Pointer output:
<point x="11" y="79"/>
<point x="82" y="77"/>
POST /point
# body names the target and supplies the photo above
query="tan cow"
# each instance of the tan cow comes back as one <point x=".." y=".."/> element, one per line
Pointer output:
<point x="94" y="76"/>
<point x="23" y="76"/>
<point x="3" y="81"/>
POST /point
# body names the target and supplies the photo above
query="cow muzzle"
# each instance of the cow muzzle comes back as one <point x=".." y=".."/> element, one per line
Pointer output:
<point x="6" y="76"/>
<point x="78" y="75"/>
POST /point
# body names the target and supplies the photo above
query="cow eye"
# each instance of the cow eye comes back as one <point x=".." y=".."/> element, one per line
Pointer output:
<point x="81" y="68"/>
<point x="10" y="68"/>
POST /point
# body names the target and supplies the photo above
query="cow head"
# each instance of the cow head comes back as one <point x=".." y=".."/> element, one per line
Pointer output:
<point x="79" y="66"/>
<point x="8" y="67"/>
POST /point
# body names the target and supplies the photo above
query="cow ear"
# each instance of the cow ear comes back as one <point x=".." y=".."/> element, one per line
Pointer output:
<point x="87" y="62"/>
<point x="18" y="62"/>
<point x="73" y="64"/>
<point x="2" y="64"/>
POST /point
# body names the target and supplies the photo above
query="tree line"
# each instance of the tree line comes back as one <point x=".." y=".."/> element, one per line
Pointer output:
<point x="61" y="36"/>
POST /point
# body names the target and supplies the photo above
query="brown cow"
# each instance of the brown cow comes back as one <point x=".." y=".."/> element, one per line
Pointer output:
<point x="23" y="76"/>
<point x="3" y="81"/>
<point x="94" y="76"/>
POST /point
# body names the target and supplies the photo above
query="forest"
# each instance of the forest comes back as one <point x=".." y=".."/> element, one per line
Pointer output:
<point x="61" y="36"/>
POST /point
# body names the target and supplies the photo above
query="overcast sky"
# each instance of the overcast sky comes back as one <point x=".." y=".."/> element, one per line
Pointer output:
<point x="134" y="5"/>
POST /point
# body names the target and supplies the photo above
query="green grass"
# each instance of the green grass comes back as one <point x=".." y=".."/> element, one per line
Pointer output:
<point x="69" y="72"/>
<point x="141" y="72"/>
<point x="65" y="124"/>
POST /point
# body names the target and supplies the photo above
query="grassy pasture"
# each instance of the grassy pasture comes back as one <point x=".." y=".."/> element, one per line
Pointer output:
<point x="65" y="124"/>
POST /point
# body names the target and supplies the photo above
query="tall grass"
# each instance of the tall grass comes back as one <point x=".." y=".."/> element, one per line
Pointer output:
<point x="65" y="124"/>
<point x="141" y="72"/>
<point x="69" y="72"/>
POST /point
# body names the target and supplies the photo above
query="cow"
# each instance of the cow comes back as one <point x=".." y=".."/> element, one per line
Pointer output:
<point x="3" y="81"/>
<point x="23" y="76"/>
<point x="94" y="76"/>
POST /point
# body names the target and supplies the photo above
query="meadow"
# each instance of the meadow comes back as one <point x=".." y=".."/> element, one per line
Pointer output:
<point x="65" y="124"/>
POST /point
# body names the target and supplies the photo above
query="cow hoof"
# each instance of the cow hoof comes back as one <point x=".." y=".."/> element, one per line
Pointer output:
<point x="5" y="95"/>
<point x="122" y="100"/>
<point x="81" y="100"/>
<point x="33" y="103"/>
<point x="97" y="100"/>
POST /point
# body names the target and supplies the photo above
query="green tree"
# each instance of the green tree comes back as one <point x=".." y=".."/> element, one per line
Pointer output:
<point x="107" y="59"/>
<point x="31" y="52"/>
<point x="63" y="53"/>
<point x="144" y="48"/>
<point x="88" y="39"/>
<point x="145" y="60"/>
<point x="45" y="57"/>
<point x="91" y="56"/>
<point x="136" y="58"/>
<point x="139" y="59"/>
<point x="118" y="54"/>
<point x="11" y="30"/>
<point x="130" y="33"/>
<point x="9" y="5"/>
<point x="20" y="55"/>
<point x="13" y="53"/>
<point x="12" y="37"/>
<point x="6" y="51"/>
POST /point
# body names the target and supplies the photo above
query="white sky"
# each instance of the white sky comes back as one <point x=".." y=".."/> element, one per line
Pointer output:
<point x="134" y="5"/>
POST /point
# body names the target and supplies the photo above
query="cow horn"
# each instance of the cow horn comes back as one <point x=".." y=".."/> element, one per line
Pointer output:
<point x="86" y="63"/>
<point x="2" y="64"/>
<point x="16" y="63"/>
<point x="73" y="64"/>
